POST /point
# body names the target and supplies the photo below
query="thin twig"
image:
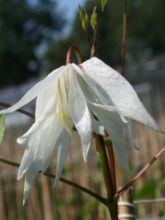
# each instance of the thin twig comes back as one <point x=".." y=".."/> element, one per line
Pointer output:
<point x="149" y="201"/>
<point x="93" y="47"/>
<point x="139" y="174"/>
<point x="29" y="114"/>
<point x="68" y="182"/>
<point x="124" y="36"/>
<point x="87" y="39"/>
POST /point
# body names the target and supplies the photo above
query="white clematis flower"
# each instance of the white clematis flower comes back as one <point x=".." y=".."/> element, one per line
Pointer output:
<point x="70" y="96"/>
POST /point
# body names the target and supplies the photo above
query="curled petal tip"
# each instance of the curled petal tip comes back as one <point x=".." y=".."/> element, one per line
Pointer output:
<point x="85" y="157"/>
<point x="21" y="141"/>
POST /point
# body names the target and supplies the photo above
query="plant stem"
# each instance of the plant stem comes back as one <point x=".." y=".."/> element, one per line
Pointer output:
<point x="73" y="51"/>
<point x="124" y="36"/>
<point x="29" y="114"/>
<point x="139" y="174"/>
<point x="108" y="167"/>
<point x="68" y="182"/>
<point x="93" y="47"/>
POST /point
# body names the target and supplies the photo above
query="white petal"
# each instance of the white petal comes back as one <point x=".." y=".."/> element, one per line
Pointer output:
<point x="94" y="93"/>
<point x="62" y="147"/>
<point x="42" y="122"/>
<point x="119" y="91"/>
<point x="114" y="126"/>
<point x="97" y="127"/>
<point x="46" y="97"/>
<point x="40" y="149"/>
<point x="62" y="108"/>
<point x="29" y="179"/>
<point x="25" y="162"/>
<point x="91" y="89"/>
<point x="34" y="91"/>
<point x="131" y="134"/>
<point x="80" y="113"/>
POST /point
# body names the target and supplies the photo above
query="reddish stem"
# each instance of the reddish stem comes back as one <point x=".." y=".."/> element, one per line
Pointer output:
<point x="139" y="174"/>
<point x="73" y="51"/>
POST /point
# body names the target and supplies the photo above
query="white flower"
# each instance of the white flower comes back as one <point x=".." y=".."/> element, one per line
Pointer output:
<point x="71" y="96"/>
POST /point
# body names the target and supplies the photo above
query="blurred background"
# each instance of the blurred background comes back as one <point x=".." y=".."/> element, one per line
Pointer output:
<point x="35" y="36"/>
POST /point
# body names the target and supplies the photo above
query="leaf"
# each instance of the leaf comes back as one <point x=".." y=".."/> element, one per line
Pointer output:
<point x="93" y="20"/>
<point x="2" y="127"/>
<point x="103" y="4"/>
<point x="83" y="17"/>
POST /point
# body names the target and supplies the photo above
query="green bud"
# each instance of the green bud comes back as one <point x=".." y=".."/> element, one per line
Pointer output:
<point x="83" y="17"/>
<point x="103" y="4"/>
<point x="2" y="127"/>
<point x="93" y="20"/>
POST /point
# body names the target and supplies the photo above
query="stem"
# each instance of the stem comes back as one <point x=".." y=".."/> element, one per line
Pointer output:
<point x="139" y="174"/>
<point x="124" y="36"/>
<point x="29" y="114"/>
<point x="71" y="52"/>
<point x="87" y="39"/>
<point x="108" y="173"/>
<point x="68" y="182"/>
<point x="110" y="154"/>
<point x="93" y="47"/>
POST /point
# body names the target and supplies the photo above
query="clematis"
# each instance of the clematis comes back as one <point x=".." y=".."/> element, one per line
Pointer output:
<point x="90" y="97"/>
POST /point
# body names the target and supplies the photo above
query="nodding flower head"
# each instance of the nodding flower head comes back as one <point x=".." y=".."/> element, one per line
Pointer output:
<point x="91" y="97"/>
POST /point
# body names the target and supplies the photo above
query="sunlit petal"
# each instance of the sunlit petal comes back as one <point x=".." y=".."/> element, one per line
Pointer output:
<point x="119" y="91"/>
<point x="62" y="147"/>
<point x="34" y="91"/>
<point x="80" y="114"/>
<point x="40" y="149"/>
<point x="114" y="126"/>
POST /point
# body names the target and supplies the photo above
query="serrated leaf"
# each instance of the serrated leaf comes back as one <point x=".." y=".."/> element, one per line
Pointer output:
<point x="103" y="4"/>
<point x="83" y="17"/>
<point x="2" y="127"/>
<point x="93" y="20"/>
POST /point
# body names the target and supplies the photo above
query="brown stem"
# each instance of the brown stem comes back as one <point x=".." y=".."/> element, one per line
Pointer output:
<point x="29" y="114"/>
<point x="93" y="47"/>
<point x="71" y="52"/>
<point x="139" y="174"/>
<point x="87" y="39"/>
<point x="124" y="36"/>
<point x="109" y="174"/>
<point x="68" y="182"/>
<point x="111" y="161"/>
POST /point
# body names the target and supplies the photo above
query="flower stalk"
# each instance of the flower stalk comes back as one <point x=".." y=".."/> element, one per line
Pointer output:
<point x="71" y="52"/>
<point x="124" y="36"/>
<point x="107" y="160"/>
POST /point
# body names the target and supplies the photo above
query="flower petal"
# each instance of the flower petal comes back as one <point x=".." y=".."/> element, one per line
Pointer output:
<point x="46" y="98"/>
<point x="80" y="113"/>
<point x="34" y="91"/>
<point x="62" y="147"/>
<point x="119" y="91"/>
<point x="114" y="126"/>
<point x="94" y="93"/>
<point x="40" y="148"/>
<point x="29" y="179"/>
<point x="97" y="127"/>
<point x="41" y="122"/>
<point x="131" y="134"/>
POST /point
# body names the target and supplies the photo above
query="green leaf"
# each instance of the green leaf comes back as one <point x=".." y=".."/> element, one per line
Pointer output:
<point x="2" y="127"/>
<point x="103" y="4"/>
<point x="93" y="20"/>
<point x="83" y="17"/>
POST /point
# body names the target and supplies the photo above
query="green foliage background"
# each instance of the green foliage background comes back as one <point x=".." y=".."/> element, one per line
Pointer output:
<point x="24" y="27"/>
<point x="145" y="37"/>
